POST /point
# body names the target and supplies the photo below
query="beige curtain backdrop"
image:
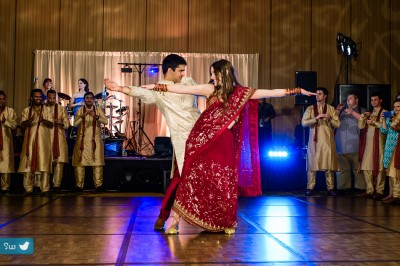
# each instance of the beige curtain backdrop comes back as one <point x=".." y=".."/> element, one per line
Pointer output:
<point x="66" y="67"/>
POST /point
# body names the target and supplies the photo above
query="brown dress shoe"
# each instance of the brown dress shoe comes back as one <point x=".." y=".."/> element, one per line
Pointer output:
<point x="378" y="196"/>
<point x="391" y="200"/>
<point x="159" y="225"/>
<point x="332" y="192"/>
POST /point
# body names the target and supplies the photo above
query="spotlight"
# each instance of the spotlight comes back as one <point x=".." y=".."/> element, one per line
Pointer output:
<point x="126" y="69"/>
<point x="346" y="46"/>
<point x="280" y="154"/>
<point x="153" y="69"/>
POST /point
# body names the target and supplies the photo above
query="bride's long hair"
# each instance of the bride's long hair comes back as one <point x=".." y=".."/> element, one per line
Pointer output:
<point x="224" y="71"/>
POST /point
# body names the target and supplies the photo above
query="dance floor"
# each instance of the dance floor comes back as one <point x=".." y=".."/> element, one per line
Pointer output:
<point x="117" y="229"/>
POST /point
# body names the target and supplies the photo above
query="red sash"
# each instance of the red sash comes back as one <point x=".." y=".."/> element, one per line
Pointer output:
<point x="375" y="147"/>
<point x="33" y="163"/>
<point x="56" y="145"/>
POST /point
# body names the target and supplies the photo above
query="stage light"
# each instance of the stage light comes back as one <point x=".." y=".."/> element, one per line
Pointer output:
<point x="278" y="154"/>
<point x="346" y="46"/>
<point x="126" y="69"/>
<point x="154" y="70"/>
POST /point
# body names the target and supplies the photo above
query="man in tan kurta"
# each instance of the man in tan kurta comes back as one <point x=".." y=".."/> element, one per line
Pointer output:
<point x="8" y="122"/>
<point x="372" y="158"/>
<point x="180" y="112"/>
<point x="89" y="147"/>
<point x="58" y="138"/>
<point x="321" y="151"/>
<point x="36" y="149"/>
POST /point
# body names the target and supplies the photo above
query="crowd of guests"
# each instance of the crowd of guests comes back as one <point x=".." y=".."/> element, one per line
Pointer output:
<point x="359" y="145"/>
<point x="44" y="150"/>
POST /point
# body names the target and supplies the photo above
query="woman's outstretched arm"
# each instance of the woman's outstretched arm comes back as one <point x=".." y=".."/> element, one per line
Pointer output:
<point x="279" y="93"/>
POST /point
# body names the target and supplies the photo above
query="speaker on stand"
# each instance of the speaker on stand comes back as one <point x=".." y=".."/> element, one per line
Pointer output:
<point x="308" y="81"/>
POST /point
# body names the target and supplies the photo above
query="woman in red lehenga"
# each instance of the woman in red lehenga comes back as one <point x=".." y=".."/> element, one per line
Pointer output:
<point x="219" y="155"/>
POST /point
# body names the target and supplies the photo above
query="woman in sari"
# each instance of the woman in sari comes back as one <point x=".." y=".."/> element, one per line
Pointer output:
<point x="219" y="150"/>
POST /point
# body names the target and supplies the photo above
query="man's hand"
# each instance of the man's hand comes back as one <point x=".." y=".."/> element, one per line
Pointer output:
<point x="340" y="107"/>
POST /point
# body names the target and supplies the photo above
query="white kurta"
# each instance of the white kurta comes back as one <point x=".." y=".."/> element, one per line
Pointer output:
<point x="180" y="112"/>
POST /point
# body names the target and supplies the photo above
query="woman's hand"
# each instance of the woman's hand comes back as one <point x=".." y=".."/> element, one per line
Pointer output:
<point x="307" y="93"/>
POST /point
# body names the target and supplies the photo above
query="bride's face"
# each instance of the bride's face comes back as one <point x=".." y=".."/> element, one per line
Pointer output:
<point x="217" y="80"/>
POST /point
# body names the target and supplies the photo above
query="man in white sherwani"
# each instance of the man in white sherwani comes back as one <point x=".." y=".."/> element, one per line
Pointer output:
<point x="8" y="122"/>
<point x="180" y="112"/>
<point x="322" y="118"/>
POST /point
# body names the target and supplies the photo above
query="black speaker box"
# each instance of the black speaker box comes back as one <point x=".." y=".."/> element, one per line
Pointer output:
<point x="308" y="81"/>
<point x="162" y="147"/>
<point x="343" y="90"/>
<point x="384" y="90"/>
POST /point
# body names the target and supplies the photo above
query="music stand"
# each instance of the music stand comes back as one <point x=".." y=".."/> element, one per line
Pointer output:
<point x="137" y="142"/>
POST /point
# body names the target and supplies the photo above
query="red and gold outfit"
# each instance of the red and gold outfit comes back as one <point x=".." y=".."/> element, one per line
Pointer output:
<point x="59" y="141"/>
<point x="218" y="160"/>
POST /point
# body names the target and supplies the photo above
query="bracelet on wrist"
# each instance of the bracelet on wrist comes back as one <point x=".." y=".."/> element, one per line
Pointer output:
<point x="160" y="87"/>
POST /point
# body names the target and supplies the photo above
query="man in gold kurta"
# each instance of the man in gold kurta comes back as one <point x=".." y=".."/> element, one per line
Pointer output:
<point x="58" y="138"/>
<point x="8" y="122"/>
<point x="89" y="147"/>
<point x="36" y="148"/>
<point x="372" y="144"/>
<point x="180" y="112"/>
<point x="321" y="151"/>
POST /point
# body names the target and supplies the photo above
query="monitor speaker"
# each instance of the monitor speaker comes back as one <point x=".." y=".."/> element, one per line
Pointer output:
<point x="308" y="81"/>
<point x="384" y="90"/>
<point x="343" y="90"/>
<point x="162" y="147"/>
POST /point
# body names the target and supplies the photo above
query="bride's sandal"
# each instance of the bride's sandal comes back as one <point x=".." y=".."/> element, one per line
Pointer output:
<point x="174" y="228"/>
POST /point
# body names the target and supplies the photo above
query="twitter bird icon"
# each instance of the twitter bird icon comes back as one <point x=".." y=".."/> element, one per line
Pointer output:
<point x="24" y="246"/>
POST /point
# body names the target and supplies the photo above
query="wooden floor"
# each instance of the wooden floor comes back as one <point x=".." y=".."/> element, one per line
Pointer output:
<point x="117" y="229"/>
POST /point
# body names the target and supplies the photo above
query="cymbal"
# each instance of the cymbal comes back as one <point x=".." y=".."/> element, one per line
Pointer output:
<point x="113" y="117"/>
<point x="111" y="106"/>
<point x="118" y="122"/>
<point x="63" y="96"/>
<point x="123" y="109"/>
<point x="99" y="95"/>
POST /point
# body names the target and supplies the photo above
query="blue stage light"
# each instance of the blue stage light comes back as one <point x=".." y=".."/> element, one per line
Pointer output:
<point x="153" y="70"/>
<point x="281" y="154"/>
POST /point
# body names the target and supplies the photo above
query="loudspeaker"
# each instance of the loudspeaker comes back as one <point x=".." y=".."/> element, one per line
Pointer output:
<point x="384" y="90"/>
<point x="343" y="90"/>
<point x="308" y="81"/>
<point x="162" y="147"/>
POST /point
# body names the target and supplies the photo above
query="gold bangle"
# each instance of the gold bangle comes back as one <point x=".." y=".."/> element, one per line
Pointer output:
<point x="160" y="87"/>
